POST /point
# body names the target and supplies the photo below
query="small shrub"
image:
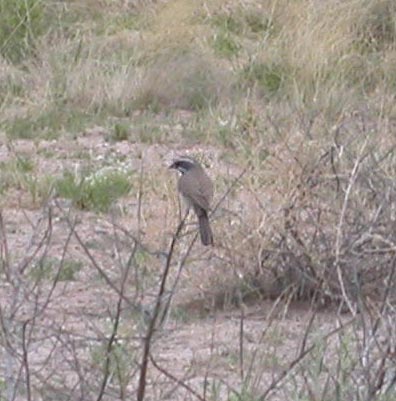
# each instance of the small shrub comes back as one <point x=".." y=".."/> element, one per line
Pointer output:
<point x="120" y="132"/>
<point x="96" y="190"/>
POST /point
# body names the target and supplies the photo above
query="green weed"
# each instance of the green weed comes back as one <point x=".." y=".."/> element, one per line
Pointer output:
<point x="24" y="164"/>
<point x="69" y="270"/>
<point x="50" y="268"/>
<point x="120" y="132"/>
<point x="39" y="187"/>
<point x="225" y="45"/>
<point x="94" y="190"/>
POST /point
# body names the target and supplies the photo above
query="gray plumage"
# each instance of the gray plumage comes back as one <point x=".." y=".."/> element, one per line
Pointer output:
<point x="197" y="189"/>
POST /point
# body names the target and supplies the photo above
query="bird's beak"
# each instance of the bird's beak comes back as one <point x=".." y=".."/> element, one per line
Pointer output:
<point x="172" y="166"/>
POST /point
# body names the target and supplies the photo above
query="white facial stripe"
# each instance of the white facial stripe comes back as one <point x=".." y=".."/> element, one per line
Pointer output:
<point x="184" y="164"/>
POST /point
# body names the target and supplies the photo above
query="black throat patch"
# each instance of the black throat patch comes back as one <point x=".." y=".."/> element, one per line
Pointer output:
<point x="184" y="165"/>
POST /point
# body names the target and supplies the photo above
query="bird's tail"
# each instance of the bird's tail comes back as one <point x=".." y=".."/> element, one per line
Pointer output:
<point x="204" y="229"/>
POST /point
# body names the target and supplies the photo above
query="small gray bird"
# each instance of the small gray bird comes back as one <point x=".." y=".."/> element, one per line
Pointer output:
<point x="197" y="189"/>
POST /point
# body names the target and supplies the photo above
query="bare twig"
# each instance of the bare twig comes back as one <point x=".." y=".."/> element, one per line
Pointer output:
<point x="5" y="256"/>
<point x="175" y="379"/>
<point x="241" y="341"/>
<point x="155" y="314"/>
<point x="339" y="235"/>
<point x="26" y="362"/>
<point x="302" y="354"/>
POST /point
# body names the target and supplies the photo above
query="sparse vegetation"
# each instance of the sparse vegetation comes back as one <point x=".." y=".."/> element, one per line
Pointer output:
<point x="52" y="269"/>
<point x="291" y="103"/>
<point x="21" y="24"/>
<point x="224" y="45"/>
<point x="120" y="132"/>
<point x="19" y="173"/>
<point x="94" y="190"/>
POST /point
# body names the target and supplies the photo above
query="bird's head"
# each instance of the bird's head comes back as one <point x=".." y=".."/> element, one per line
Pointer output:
<point x="184" y="164"/>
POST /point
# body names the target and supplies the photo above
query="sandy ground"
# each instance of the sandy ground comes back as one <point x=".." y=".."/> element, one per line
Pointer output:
<point x="208" y="346"/>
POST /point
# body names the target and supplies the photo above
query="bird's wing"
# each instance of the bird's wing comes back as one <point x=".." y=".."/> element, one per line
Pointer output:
<point x="198" y="188"/>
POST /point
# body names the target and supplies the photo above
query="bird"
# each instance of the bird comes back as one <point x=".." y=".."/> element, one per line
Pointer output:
<point x="196" y="188"/>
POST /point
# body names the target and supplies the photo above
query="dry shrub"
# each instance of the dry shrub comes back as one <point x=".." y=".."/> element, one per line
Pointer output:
<point x="335" y="236"/>
<point x="183" y="80"/>
<point x="315" y="219"/>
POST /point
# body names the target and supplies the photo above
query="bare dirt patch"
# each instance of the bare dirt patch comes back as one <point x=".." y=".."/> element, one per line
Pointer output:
<point x="198" y="340"/>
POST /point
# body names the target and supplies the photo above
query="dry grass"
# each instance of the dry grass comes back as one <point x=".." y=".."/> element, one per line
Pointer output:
<point x="299" y="96"/>
<point x="325" y="57"/>
<point x="185" y="81"/>
<point x="294" y="82"/>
